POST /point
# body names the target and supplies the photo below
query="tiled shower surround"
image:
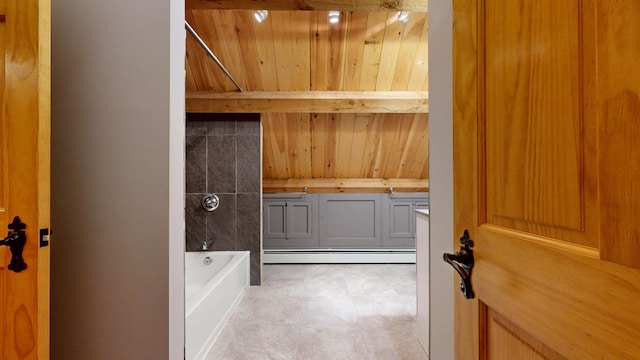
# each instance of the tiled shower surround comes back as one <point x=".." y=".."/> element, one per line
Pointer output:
<point x="223" y="158"/>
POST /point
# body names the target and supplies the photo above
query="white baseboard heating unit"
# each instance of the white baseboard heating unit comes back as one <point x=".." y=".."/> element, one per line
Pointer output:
<point x="339" y="256"/>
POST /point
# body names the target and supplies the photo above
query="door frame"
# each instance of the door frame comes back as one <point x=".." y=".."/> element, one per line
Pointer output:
<point x="441" y="177"/>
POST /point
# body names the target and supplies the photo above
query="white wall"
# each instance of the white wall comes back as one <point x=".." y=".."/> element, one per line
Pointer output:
<point x="177" y="123"/>
<point x="117" y="160"/>
<point x="117" y="179"/>
<point x="441" y="177"/>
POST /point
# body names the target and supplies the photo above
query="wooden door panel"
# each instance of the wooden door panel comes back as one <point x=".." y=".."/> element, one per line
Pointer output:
<point x="506" y="341"/>
<point x="546" y="169"/>
<point x="3" y="134"/>
<point x="4" y="251"/>
<point x="25" y="161"/>
<point x="5" y="254"/>
<point x="531" y="95"/>
<point x="572" y="302"/>
<point x="2" y="313"/>
<point x="619" y="157"/>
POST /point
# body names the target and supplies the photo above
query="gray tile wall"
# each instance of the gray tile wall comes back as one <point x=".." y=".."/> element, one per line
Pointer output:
<point x="223" y="157"/>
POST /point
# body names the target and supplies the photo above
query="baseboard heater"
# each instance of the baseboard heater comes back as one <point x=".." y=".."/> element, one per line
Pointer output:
<point x="339" y="256"/>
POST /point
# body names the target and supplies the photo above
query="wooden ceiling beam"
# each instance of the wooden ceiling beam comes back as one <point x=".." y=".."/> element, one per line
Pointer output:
<point x="309" y="102"/>
<point x="323" y="5"/>
<point x="315" y="186"/>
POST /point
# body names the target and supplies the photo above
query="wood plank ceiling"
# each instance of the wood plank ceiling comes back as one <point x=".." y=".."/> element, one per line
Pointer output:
<point x="302" y="51"/>
<point x="346" y="100"/>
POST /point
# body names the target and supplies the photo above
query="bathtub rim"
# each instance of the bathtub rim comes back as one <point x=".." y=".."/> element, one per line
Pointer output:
<point x="207" y="330"/>
<point x="200" y="296"/>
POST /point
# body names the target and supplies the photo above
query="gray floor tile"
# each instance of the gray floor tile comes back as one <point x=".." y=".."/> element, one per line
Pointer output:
<point x="335" y="311"/>
<point x="255" y="342"/>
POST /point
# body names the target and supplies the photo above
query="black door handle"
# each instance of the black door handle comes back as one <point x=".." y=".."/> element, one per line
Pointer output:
<point x="462" y="263"/>
<point x="15" y="240"/>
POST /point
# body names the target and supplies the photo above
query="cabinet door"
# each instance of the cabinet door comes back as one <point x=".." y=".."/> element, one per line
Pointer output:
<point x="401" y="225"/>
<point x="299" y="219"/>
<point x="275" y="220"/>
<point x="401" y="219"/>
<point x="289" y="224"/>
<point x="350" y="221"/>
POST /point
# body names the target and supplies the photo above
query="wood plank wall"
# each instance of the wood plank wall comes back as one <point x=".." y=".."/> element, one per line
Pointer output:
<point x="345" y="146"/>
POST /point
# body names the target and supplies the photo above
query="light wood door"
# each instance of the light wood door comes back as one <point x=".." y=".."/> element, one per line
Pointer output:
<point x="24" y="181"/>
<point x="547" y="177"/>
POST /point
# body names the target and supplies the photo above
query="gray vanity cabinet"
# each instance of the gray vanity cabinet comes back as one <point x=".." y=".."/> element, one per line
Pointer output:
<point x="289" y="221"/>
<point x="341" y="221"/>
<point x="400" y="226"/>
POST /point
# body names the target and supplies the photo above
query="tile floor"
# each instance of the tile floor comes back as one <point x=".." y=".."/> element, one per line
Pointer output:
<point x="327" y="312"/>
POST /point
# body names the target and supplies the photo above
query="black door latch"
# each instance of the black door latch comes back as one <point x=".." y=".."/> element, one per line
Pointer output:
<point x="15" y="240"/>
<point x="462" y="262"/>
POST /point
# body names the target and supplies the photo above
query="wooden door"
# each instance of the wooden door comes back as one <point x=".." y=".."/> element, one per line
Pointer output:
<point x="547" y="177"/>
<point x="24" y="181"/>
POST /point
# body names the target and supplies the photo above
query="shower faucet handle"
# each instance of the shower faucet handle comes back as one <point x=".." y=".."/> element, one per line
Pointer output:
<point x="206" y="245"/>
<point x="210" y="202"/>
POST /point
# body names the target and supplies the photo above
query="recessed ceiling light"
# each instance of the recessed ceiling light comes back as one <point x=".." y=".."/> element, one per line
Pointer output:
<point x="334" y="17"/>
<point x="403" y="16"/>
<point x="260" y="15"/>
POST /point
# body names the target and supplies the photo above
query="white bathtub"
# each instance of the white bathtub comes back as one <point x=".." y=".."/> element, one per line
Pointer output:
<point x="212" y="292"/>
